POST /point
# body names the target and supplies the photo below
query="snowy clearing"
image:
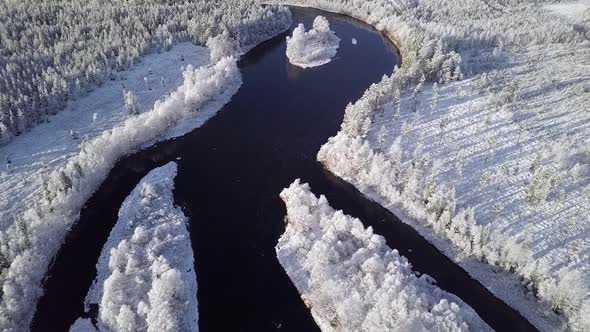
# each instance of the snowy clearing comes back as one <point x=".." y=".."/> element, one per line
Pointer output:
<point x="312" y="48"/>
<point x="145" y="274"/>
<point x="352" y="281"/>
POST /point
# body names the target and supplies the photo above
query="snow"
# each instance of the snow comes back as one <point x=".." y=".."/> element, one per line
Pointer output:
<point x="145" y="274"/>
<point x="312" y="48"/>
<point x="83" y="325"/>
<point x="569" y="10"/>
<point x="352" y="281"/>
<point x="354" y="42"/>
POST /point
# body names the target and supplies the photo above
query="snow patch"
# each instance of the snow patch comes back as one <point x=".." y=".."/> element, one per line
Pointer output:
<point x="313" y="48"/>
<point x="569" y="10"/>
<point x="83" y="325"/>
<point x="352" y="281"/>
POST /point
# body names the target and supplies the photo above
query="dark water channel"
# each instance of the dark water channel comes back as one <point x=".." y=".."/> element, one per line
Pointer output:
<point x="230" y="174"/>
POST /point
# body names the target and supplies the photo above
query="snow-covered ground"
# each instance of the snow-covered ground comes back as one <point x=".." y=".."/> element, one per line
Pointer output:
<point x="312" y="48"/>
<point x="352" y="281"/>
<point x="145" y="278"/>
<point x="493" y="168"/>
<point x="569" y="9"/>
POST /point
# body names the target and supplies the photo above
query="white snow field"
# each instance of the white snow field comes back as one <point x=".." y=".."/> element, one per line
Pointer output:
<point x="491" y="163"/>
<point x="312" y="48"/>
<point x="352" y="281"/>
<point x="145" y="278"/>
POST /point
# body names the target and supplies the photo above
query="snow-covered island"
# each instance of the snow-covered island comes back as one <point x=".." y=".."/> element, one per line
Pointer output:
<point x="145" y="278"/>
<point x="352" y="281"/>
<point x="312" y="48"/>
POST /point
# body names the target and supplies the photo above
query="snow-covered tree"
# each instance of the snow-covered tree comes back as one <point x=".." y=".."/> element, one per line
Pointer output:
<point x="221" y="46"/>
<point x="434" y="97"/>
<point x="131" y="103"/>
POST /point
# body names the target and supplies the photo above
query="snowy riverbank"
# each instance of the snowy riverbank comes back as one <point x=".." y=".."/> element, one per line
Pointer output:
<point x="352" y="281"/>
<point x="312" y="48"/>
<point x="145" y="274"/>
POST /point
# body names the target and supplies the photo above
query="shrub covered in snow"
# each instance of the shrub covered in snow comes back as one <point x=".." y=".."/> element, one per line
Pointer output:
<point x="145" y="274"/>
<point x="312" y="48"/>
<point x="352" y="281"/>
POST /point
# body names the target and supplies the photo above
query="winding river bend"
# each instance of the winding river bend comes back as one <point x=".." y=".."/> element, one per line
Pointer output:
<point x="231" y="171"/>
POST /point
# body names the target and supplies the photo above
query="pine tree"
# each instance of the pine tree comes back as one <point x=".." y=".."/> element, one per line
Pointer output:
<point x="131" y="103"/>
<point x="434" y="100"/>
<point x="381" y="135"/>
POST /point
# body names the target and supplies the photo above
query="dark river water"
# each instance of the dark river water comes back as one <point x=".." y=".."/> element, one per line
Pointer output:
<point x="230" y="174"/>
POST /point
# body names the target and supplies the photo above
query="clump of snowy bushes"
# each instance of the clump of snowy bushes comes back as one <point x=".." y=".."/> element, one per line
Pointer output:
<point x="55" y="50"/>
<point x="145" y="278"/>
<point x="34" y="238"/>
<point x="352" y="281"/>
<point x="312" y="48"/>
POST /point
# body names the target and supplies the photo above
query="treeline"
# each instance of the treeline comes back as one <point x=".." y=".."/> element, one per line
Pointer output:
<point x="55" y="50"/>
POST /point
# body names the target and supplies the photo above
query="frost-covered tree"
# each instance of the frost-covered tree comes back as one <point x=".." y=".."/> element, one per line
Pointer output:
<point x="131" y="103"/>
<point x="434" y="98"/>
<point x="147" y="83"/>
<point x="539" y="187"/>
<point x="221" y="46"/>
<point x="381" y="136"/>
